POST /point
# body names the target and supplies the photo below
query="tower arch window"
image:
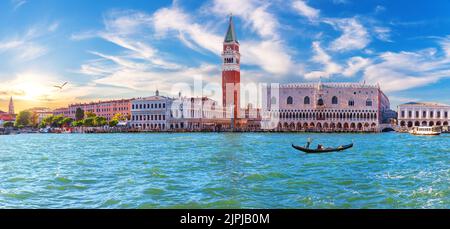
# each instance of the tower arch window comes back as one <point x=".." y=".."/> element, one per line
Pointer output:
<point x="369" y="103"/>
<point x="290" y="100"/>
<point x="334" y="100"/>
<point x="306" y="100"/>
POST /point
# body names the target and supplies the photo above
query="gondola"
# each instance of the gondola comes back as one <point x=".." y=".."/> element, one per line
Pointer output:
<point x="323" y="150"/>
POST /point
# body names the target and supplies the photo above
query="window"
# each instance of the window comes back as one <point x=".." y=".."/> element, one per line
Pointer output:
<point x="306" y="100"/>
<point x="320" y="102"/>
<point x="446" y="114"/>
<point x="431" y="114"/>
<point x="290" y="100"/>
<point x="417" y="114"/>
<point x="438" y="114"/>
<point x="369" y="103"/>
<point x="351" y="103"/>
<point x="409" y="114"/>
<point x="334" y="100"/>
<point x="424" y="114"/>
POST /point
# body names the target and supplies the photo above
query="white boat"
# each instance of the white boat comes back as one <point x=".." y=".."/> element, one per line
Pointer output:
<point x="426" y="130"/>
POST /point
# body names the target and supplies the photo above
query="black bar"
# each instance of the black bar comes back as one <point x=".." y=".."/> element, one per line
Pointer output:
<point x="147" y="218"/>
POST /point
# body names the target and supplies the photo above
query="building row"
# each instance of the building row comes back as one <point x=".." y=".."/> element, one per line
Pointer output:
<point x="416" y="114"/>
<point x="324" y="107"/>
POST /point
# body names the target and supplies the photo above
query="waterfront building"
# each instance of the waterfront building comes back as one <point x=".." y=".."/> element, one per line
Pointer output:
<point x="6" y="117"/>
<point x="195" y="114"/>
<point x="423" y="114"/>
<point x="106" y="109"/>
<point x="150" y="113"/>
<point x="327" y="106"/>
<point x="162" y="113"/>
<point x="64" y="111"/>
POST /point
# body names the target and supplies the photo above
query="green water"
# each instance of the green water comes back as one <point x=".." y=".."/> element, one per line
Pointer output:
<point x="223" y="170"/>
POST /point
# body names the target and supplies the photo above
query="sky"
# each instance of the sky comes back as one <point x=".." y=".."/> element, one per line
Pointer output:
<point x="111" y="49"/>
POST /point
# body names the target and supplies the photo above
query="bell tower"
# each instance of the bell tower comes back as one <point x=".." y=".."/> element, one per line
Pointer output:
<point x="231" y="73"/>
<point x="11" y="106"/>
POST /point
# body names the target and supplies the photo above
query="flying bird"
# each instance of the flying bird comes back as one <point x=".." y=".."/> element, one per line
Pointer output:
<point x="61" y="87"/>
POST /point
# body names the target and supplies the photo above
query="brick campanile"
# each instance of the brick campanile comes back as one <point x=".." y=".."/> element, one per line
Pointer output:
<point x="231" y="73"/>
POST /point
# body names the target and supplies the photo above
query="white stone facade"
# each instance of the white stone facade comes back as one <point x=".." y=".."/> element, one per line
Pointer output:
<point x="150" y="113"/>
<point x="326" y="107"/>
<point x="423" y="114"/>
<point x="201" y="113"/>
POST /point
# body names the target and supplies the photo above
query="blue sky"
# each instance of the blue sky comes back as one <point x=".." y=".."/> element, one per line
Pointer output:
<point x="123" y="49"/>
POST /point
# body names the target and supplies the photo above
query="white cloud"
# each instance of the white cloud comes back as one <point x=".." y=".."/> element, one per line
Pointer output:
<point x="18" y="3"/>
<point x="138" y="80"/>
<point x="126" y="22"/>
<point x="30" y="51"/>
<point x="253" y="12"/>
<point x="406" y="70"/>
<point x="355" y="64"/>
<point x="268" y="56"/>
<point x="53" y="27"/>
<point x="354" y="35"/>
<point x="174" y="19"/>
<point x="303" y="9"/>
<point x="340" y="1"/>
<point x="25" y="47"/>
<point x="382" y="33"/>
<point x="321" y="57"/>
<point x="379" y="9"/>
<point x="445" y="44"/>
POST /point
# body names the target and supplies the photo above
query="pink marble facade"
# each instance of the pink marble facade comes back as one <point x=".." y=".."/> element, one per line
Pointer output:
<point x="327" y="106"/>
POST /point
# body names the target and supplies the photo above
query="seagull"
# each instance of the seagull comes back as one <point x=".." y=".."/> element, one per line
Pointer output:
<point x="61" y="87"/>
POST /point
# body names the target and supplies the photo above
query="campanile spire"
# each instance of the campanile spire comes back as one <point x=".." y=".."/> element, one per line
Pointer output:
<point x="231" y="33"/>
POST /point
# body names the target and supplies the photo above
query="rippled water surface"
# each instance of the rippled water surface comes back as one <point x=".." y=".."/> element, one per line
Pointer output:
<point x="223" y="170"/>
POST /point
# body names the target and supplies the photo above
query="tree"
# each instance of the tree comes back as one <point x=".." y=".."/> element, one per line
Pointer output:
<point x="66" y="122"/>
<point x="79" y="114"/>
<point x="119" y="117"/>
<point x="88" y="122"/>
<point x="99" y="121"/>
<point x="34" y="119"/>
<point x="42" y="125"/>
<point x="57" y="121"/>
<point x="23" y="119"/>
<point x="47" y="121"/>
<point x="8" y="124"/>
<point x="90" y="114"/>
<point x="77" y="123"/>
<point x="113" y="123"/>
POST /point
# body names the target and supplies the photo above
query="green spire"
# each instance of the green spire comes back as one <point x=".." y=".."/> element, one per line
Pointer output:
<point x="231" y="34"/>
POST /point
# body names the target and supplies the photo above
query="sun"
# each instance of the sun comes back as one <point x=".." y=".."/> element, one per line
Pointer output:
<point x="32" y="87"/>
